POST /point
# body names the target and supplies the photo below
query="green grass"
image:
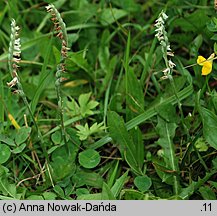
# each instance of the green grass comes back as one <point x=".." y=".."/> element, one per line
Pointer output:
<point x="125" y="133"/>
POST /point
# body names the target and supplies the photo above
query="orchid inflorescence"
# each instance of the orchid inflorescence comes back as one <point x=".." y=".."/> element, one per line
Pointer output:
<point x="161" y="35"/>
<point x="14" y="53"/>
<point x="60" y="28"/>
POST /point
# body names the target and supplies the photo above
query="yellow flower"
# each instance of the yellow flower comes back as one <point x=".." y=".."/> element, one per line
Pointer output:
<point x="206" y="63"/>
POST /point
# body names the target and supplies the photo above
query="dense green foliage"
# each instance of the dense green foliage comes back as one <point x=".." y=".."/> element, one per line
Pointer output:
<point x="130" y="134"/>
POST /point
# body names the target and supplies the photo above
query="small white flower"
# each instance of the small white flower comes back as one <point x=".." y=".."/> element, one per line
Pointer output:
<point x="158" y="25"/>
<point x="159" y="21"/>
<point x="170" y="53"/>
<point x="166" y="71"/>
<point x="13" y="82"/>
<point x="16" y="53"/>
<point x="159" y="34"/>
<point x="168" y="48"/>
<point x="164" y="77"/>
<point x="171" y="64"/>
<point x="164" y="16"/>
<point x="17" y="48"/>
<point x="49" y="8"/>
<point x="13" y="23"/>
<point x="160" y="38"/>
<point x="17" y="28"/>
<point x="16" y="60"/>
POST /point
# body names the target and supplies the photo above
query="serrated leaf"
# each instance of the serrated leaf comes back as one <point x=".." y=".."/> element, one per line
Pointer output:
<point x="92" y="104"/>
<point x="86" y="106"/>
<point x="84" y="131"/>
<point x="84" y="98"/>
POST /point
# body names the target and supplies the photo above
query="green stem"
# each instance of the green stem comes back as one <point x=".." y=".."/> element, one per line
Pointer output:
<point x="179" y="105"/>
<point x="40" y="137"/>
<point x="60" y="106"/>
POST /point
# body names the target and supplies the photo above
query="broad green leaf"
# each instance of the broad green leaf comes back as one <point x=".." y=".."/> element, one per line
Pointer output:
<point x="143" y="183"/>
<point x="22" y="135"/>
<point x="207" y="193"/>
<point x="106" y="193"/>
<point x="96" y="196"/>
<point x="19" y="149"/>
<point x="167" y="132"/>
<point x="186" y="92"/>
<point x="82" y="177"/>
<point x="5" y="153"/>
<point x="109" y="16"/>
<point x="6" y="188"/>
<point x="119" y="184"/>
<point x="139" y="145"/>
<point x="130" y="194"/>
<point x="189" y="21"/>
<point x="209" y="120"/>
<point x="77" y="60"/>
<point x="56" y="137"/>
<point x="104" y="53"/>
<point x="35" y="197"/>
<point x="167" y="112"/>
<point x="134" y="95"/>
<point x="89" y="158"/>
<point x="62" y="167"/>
<point x="49" y="196"/>
<point x="82" y="191"/>
<point x="120" y="135"/>
<point x="59" y="191"/>
<point x="7" y="140"/>
<point x="45" y="76"/>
